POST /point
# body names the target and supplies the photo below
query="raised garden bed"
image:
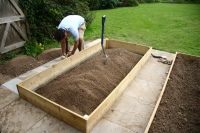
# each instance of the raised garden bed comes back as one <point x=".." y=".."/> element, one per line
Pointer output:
<point x="82" y="120"/>
<point x="177" y="109"/>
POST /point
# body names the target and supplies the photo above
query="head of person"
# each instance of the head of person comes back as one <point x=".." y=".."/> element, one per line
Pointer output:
<point x="60" y="34"/>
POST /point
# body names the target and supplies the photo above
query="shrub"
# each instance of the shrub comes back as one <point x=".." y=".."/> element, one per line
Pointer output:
<point x="43" y="16"/>
<point x="32" y="48"/>
<point x="101" y="4"/>
<point x="93" y="4"/>
<point x="108" y="4"/>
<point x="72" y="7"/>
<point x="125" y="3"/>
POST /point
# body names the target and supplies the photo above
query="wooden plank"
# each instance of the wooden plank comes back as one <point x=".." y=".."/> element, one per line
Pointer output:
<point x="5" y="34"/>
<point x="74" y="119"/>
<point x="160" y="97"/>
<point x="188" y="56"/>
<point x="19" y="31"/>
<point x="12" y="47"/>
<point x="139" y="49"/>
<point x="16" y="7"/>
<point x="11" y="19"/>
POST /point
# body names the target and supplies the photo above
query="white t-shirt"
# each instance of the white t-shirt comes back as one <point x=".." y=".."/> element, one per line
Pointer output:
<point x="71" y="24"/>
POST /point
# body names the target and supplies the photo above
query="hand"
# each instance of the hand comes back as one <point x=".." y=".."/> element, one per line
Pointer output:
<point x="70" y="54"/>
<point x="64" y="56"/>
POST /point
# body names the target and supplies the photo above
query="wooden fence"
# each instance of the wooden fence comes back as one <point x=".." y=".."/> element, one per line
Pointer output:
<point x="13" y="26"/>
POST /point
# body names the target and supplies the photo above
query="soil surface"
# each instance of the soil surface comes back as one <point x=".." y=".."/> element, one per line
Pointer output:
<point x="21" y="64"/>
<point x="179" y="109"/>
<point x="84" y="87"/>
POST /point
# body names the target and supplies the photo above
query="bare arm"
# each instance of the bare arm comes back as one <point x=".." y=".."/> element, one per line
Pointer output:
<point x="63" y="46"/>
<point x="76" y="43"/>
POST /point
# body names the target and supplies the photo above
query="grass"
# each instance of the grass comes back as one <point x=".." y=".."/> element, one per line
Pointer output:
<point x="163" y="26"/>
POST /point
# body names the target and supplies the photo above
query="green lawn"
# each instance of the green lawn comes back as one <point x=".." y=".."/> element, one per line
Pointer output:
<point x="167" y="27"/>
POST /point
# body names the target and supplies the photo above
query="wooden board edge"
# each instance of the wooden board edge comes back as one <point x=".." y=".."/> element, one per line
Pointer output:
<point x="188" y="56"/>
<point x="160" y="97"/>
<point x="139" y="49"/>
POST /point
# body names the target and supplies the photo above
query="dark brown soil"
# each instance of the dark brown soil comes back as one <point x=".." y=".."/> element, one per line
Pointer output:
<point x="21" y="64"/>
<point x="83" y="88"/>
<point x="179" y="110"/>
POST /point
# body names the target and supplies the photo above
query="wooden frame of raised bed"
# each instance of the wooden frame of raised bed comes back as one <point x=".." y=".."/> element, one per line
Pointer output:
<point x="186" y="57"/>
<point x="85" y="124"/>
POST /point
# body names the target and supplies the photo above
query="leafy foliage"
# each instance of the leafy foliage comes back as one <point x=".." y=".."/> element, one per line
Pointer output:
<point x="125" y="3"/>
<point x="108" y="4"/>
<point x="101" y="4"/>
<point x="32" y="48"/>
<point x="93" y="4"/>
<point x="44" y="16"/>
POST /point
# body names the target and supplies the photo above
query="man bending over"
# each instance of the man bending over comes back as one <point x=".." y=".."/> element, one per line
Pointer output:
<point x="73" y="25"/>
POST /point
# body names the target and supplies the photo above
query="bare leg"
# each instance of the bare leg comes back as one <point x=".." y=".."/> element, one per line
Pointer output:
<point x="81" y="31"/>
<point x="67" y="46"/>
<point x="81" y="45"/>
